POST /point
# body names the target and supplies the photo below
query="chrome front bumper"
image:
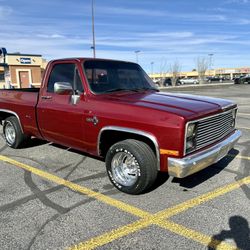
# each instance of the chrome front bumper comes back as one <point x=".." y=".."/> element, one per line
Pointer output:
<point x="191" y="164"/>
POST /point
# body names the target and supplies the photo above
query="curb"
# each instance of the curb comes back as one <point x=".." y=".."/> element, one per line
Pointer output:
<point x="196" y="86"/>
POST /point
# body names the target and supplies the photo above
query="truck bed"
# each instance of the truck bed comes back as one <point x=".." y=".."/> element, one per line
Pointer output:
<point x="23" y="103"/>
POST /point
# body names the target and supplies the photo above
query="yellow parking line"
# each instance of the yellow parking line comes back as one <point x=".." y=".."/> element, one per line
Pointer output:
<point x="160" y="216"/>
<point x="195" y="236"/>
<point x="239" y="157"/>
<point x="98" y="196"/>
<point x="147" y="218"/>
<point x="243" y="128"/>
<point x="145" y="222"/>
<point x="243" y="114"/>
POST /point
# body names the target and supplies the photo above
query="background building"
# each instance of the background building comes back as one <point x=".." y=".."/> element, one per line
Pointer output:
<point x="21" y="70"/>
<point x="228" y="73"/>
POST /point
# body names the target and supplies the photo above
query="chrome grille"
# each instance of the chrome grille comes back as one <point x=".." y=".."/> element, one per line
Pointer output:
<point x="214" y="128"/>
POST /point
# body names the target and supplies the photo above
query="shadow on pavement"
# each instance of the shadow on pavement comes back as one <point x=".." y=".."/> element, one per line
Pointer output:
<point x="239" y="232"/>
<point x="205" y="174"/>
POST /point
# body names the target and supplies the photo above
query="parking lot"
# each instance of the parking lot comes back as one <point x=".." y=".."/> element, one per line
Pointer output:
<point x="56" y="198"/>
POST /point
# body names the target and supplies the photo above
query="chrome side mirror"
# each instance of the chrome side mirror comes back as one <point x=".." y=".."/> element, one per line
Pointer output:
<point x="63" y="88"/>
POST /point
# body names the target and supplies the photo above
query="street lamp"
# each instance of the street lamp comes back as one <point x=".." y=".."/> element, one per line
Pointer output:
<point x="152" y="68"/>
<point x="136" y="54"/>
<point x="210" y="60"/>
<point x="93" y="30"/>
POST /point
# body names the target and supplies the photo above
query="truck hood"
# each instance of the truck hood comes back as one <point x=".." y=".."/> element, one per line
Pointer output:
<point x="188" y="106"/>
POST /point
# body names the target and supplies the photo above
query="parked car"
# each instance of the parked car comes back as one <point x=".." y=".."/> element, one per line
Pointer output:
<point x="189" y="81"/>
<point x="167" y="82"/>
<point x="112" y="110"/>
<point x="215" y="79"/>
<point x="242" y="80"/>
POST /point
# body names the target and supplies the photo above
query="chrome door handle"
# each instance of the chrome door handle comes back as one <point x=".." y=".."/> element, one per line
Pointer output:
<point x="46" y="97"/>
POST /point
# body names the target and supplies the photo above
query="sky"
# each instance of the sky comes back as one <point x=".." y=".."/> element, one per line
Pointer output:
<point x="164" y="31"/>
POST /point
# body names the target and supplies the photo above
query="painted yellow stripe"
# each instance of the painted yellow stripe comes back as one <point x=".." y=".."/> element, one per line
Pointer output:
<point x="160" y="216"/>
<point x="169" y="212"/>
<point x="243" y="128"/>
<point x="243" y="114"/>
<point x="147" y="218"/>
<point x="239" y="157"/>
<point x="169" y="152"/>
<point x="112" y="235"/>
<point x="196" y="236"/>
<point x="143" y="223"/>
<point x="98" y="196"/>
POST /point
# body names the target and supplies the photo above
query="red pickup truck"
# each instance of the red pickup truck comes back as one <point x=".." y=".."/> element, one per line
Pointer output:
<point x="111" y="109"/>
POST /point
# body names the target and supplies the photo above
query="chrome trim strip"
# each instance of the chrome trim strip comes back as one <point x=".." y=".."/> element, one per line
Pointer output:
<point x="193" y="163"/>
<point x="228" y="106"/>
<point x="133" y="131"/>
<point x="202" y="119"/>
<point x="13" y="113"/>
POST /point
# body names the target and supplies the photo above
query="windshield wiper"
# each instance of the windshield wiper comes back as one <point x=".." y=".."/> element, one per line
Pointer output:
<point x="133" y="90"/>
<point x="117" y="89"/>
<point x="145" y="88"/>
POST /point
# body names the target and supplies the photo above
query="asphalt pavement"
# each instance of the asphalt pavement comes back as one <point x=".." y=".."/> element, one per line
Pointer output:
<point x="53" y="197"/>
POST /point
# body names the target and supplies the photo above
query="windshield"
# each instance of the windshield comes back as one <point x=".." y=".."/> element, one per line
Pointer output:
<point x="110" y="76"/>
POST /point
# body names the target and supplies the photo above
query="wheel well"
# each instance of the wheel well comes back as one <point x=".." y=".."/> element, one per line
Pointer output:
<point x="110" y="137"/>
<point x="4" y="115"/>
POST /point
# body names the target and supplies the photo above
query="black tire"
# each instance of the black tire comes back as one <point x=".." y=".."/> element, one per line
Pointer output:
<point x="17" y="137"/>
<point x="144" y="161"/>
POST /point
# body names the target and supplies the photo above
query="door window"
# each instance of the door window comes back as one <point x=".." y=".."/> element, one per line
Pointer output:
<point x="65" y="72"/>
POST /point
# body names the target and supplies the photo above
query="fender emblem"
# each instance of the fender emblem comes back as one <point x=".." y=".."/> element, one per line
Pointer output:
<point x="94" y="120"/>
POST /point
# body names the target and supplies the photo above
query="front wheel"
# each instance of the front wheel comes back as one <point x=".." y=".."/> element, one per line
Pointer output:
<point x="131" y="166"/>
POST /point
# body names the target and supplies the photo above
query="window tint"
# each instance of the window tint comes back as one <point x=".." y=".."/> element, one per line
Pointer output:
<point x="104" y="76"/>
<point x="79" y="85"/>
<point x="1" y="76"/>
<point x="64" y="72"/>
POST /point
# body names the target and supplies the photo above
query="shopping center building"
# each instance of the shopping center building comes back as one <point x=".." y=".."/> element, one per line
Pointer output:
<point x="19" y="70"/>
<point x="227" y="73"/>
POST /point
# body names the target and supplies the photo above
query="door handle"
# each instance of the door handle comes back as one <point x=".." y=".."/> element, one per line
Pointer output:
<point x="46" y="97"/>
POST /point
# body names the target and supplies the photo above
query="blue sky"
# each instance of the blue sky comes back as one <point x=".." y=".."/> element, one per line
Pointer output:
<point x="164" y="31"/>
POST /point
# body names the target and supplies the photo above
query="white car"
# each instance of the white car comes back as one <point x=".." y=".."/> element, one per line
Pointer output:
<point x="189" y="81"/>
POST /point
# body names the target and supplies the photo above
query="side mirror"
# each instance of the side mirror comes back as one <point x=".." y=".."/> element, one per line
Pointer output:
<point x="63" y="88"/>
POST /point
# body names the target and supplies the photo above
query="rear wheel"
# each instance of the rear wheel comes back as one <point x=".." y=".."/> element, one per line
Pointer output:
<point x="12" y="132"/>
<point x="131" y="166"/>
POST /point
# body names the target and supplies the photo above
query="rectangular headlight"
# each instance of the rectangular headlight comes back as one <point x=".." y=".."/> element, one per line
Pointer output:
<point x="190" y="139"/>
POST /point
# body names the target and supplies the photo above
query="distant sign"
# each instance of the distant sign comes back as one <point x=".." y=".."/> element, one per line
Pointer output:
<point x="25" y="60"/>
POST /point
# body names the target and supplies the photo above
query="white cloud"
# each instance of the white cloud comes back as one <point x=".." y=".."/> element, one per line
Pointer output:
<point x="129" y="11"/>
<point x="237" y="1"/>
<point x="53" y="36"/>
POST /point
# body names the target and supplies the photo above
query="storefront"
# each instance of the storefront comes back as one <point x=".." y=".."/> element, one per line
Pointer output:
<point x="20" y="70"/>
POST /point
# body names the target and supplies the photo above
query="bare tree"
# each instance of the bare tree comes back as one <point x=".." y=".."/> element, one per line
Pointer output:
<point x="162" y="69"/>
<point x="175" y="69"/>
<point x="202" y="64"/>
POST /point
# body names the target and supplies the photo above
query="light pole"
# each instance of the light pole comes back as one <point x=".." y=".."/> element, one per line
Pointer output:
<point x="152" y="68"/>
<point x="136" y="54"/>
<point x="93" y="29"/>
<point x="210" y="61"/>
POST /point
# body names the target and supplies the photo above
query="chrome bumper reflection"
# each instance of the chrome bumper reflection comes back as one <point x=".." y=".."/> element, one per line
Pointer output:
<point x="191" y="164"/>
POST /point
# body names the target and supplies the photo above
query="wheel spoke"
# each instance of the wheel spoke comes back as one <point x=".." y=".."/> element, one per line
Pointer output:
<point x="124" y="169"/>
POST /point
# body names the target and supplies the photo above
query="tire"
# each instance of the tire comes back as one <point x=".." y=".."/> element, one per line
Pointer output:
<point x="140" y="157"/>
<point x="12" y="132"/>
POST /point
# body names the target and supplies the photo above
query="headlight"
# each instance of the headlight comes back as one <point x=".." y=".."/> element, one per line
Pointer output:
<point x="191" y="137"/>
<point x="190" y="130"/>
<point x="234" y="111"/>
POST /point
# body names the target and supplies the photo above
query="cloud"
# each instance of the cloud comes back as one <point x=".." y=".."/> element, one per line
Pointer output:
<point x="129" y="11"/>
<point x="53" y="36"/>
<point x="237" y="1"/>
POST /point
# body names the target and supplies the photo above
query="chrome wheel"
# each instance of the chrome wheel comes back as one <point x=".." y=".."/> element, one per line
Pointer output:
<point x="10" y="133"/>
<point x="125" y="168"/>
